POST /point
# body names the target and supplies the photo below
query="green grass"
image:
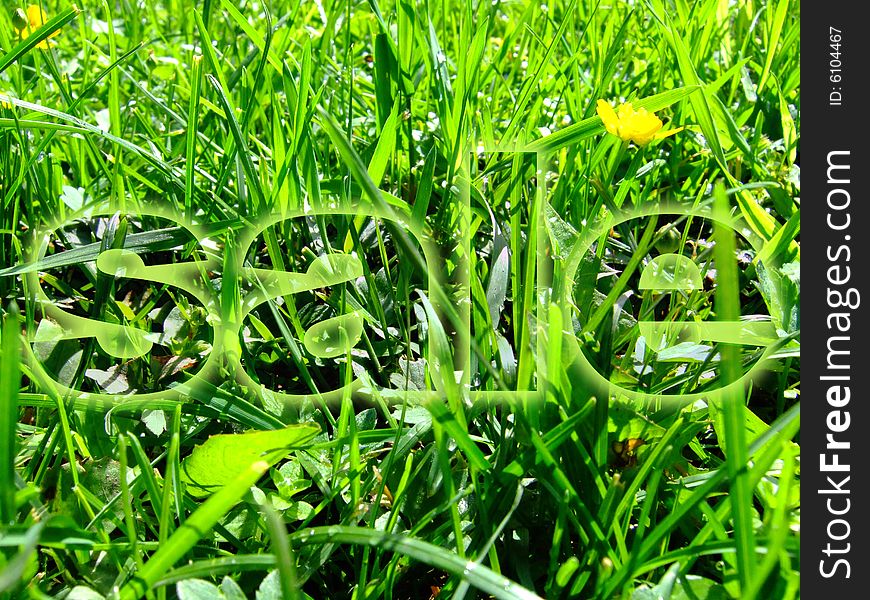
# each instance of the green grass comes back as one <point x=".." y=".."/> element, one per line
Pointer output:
<point x="469" y="132"/>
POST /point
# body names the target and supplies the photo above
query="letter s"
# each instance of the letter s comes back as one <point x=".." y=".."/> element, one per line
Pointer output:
<point x="833" y="570"/>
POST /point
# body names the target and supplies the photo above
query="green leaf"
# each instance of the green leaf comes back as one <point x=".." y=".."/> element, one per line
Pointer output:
<point x="623" y="421"/>
<point x="231" y="590"/>
<point x="298" y="511"/>
<point x="385" y="146"/>
<point x="692" y="587"/>
<point x="270" y="588"/>
<point x="773" y="40"/>
<point x="779" y="246"/>
<point x="497" y="287"/>
<point x="81" y="592"/>
<point x="660" y="591"/>
<point x="223" y="457"/>
<point x="197" y="589"/>
<point x="563" y="236"/>
<point x="154" y="420"/>
<point x="440" y="350"/>
<point x="789" y="129"/>
<point x="424" y="192"/>
<point x="781" y="292"/>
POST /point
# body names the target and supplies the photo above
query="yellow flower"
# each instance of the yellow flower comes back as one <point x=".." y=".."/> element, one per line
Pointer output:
<point x="639" y="126"/>
<point x="26" y="22"/>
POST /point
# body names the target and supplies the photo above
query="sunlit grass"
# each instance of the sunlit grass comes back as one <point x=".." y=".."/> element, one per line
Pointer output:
<point x="417" y="110"/>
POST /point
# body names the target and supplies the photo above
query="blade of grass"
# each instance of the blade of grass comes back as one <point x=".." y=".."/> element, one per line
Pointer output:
<point x="475" y="574"/>
<point x="191" y="531"/>
<point x="283" y="553"/>
<point x="10" y="381"/>
<point x="38" y="36"/>
<point x="727" y="306"/>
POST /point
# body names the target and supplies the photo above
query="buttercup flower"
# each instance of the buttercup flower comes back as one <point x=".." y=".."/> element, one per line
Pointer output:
<point x="26" y="22"/>
<point x="639" y="126"/>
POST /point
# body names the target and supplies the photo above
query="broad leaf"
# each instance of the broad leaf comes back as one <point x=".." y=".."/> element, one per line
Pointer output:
<point x="223" y="457"/>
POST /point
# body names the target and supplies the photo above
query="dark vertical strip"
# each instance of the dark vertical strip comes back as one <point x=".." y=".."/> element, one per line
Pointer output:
<point x="834" y="530"/>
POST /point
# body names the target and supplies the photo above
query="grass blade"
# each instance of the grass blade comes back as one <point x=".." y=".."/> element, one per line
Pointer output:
<point x="475" y="574"/>
<point x="10" y="380"/>
<point x="193" y="529"/>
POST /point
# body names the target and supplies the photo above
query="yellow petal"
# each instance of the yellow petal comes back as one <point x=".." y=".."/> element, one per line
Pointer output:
<point x="608" y="117"/>
<point x="642" y="139"/>
<point x="625" y="110"/>
<point x="640" y="127"/>
<point x="36" y="16"/>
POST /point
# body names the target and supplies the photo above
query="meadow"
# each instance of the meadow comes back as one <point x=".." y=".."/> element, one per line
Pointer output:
<point x="404" y="300"/>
